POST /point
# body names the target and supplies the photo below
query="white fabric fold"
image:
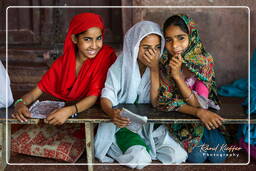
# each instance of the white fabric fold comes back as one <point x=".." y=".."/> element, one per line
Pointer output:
<point x="124" y="83"/>
<point x="6" y="98"/>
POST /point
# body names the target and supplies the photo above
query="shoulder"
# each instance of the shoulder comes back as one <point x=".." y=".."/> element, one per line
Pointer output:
<point x="108" y="53"/>
<point x="108" y="48"/>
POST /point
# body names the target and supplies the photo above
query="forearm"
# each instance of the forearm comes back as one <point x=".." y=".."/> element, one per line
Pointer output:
<point x="32" y="95"/>
<point x="84" y="104"/>
<point x="187" y="109"/>
<point x="186" y="92"/>
<point x="106" y="106"/>
<point x="154" y="75"/>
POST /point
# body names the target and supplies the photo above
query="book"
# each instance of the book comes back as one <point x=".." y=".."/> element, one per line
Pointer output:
<point x="137" y="121"/>
<point x="41" y="109"/>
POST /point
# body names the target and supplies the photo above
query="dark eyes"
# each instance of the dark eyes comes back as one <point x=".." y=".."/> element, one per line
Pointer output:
<point x="89" y="39"/>
<point x="168" y="40"/>
<point x="147" y="48"/>
<point x="179" y="38"/>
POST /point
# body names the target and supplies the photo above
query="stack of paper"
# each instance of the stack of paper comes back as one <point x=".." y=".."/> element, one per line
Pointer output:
<point x="137" y="121"/>
<point x="42" y="109"/>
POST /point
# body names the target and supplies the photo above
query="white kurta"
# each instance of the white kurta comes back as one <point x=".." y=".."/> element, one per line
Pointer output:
<point x="6" y="98"/>
<point x="123" y="85"/>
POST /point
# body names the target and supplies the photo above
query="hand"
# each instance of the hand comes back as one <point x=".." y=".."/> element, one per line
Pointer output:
<point x="21" y="112"/>
<point x="175" y="66"/>
<point x="118" y="120"/>
<point x="151" y="58"/>
<point x="59" y="116"/>
<point x="210" y="119"/>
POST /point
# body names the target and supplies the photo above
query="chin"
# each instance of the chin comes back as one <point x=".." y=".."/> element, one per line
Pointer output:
<point x="91" y="56"/>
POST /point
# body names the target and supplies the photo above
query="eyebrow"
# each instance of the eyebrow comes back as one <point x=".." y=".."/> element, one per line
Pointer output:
<point x="90" y="37"/>
<point x="150" y="45"/>
<point x="176" y="35"/>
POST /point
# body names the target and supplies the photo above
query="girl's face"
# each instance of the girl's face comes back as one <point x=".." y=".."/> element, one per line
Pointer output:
<point x="151" y="41"/>
<point x="176" y="40"/>
<point x="88" y="43"/>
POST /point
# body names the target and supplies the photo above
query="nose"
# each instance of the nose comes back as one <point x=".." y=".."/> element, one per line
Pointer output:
<point x="175" y="44"/>
<point x="94" y="45"/>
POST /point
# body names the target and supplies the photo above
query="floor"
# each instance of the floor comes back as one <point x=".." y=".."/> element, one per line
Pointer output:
<point x="19" y="158"/>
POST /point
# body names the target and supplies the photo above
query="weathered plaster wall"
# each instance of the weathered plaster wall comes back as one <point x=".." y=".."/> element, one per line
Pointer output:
<point x="224" y="31"/>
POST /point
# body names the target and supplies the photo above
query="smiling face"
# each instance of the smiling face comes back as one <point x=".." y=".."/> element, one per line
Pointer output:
<point x="151" y="41"/>
<point x="88" y="43"/>
<point x="177" y="40"/>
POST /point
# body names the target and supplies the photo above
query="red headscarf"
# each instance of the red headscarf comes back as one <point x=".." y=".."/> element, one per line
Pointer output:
<point x="60" y="80"/>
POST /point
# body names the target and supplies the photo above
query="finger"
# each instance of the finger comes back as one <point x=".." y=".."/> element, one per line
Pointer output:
<point x="120" y="125"/>
<point x="180" y="57"/>
<point x="121" y="122"/>
<point x="147" y="58"/>
<point x="50" y="117"/>
<point x="27" y="113"/>
<point x="151" y="52"/>
<point x="60" y="123"/>
<point x="18" y="117"/>
<point x="123" y="118"/>
<point x="14" y="116"/>
<point x="46" y="121"/>
<point x="221" y="118"/>
<point x="176" y="61"/>
<point x="208" y="127"/>
<point x="51" y="122"/>
<point x="210" y="124"/>
<point x="53" y="111"/>
<point x="173" y="65"/>
<point x="22" y="117"/>
<point x="214" y="124"/>
<point x="219" y="122"/>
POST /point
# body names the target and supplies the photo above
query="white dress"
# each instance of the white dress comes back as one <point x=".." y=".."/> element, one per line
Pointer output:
<point x="123" y="85"/>
<point x="6" y="98"/>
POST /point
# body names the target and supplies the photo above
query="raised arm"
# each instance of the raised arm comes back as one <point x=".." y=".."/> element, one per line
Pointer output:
<point x="186" y="92"/>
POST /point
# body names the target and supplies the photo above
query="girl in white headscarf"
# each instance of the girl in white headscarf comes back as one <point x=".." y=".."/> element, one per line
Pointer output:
<point x="6" y="98"/>
<point x="134" y="78"/>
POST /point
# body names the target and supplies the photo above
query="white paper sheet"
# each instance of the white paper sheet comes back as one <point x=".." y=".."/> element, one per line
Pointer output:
<point x="137" y="121"/>
<point x="42" y="109"/>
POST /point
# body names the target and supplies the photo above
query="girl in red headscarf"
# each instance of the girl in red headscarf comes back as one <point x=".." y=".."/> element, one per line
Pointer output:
<point x="78" y="75"/>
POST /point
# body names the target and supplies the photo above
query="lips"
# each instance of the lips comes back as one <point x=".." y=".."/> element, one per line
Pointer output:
<point x="178" y="52"/>
<point x="92" y="52"/>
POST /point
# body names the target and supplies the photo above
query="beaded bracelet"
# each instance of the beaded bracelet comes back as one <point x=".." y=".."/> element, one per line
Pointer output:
<point x="19" y="100"/>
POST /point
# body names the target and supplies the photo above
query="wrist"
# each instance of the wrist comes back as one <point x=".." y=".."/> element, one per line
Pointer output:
<point x="19" y="102"/>
<point x="177" y="77"/>
<point x="155" y="68"/>
<point x="199" y="112"/>
<point x="72" y="110"/>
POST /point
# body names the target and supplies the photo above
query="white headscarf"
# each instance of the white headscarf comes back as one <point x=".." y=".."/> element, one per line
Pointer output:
<point x="5" y="81"/>
<point x="124" y="82"/>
